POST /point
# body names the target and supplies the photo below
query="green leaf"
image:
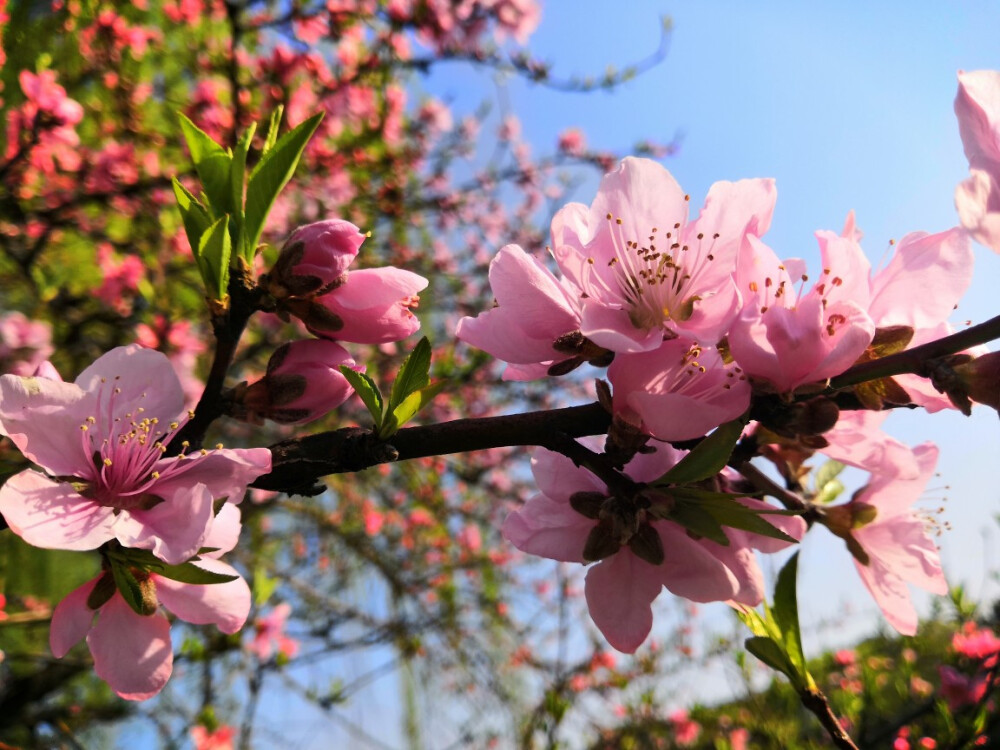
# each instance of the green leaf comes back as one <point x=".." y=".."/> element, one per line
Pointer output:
<point x="771" y="654"/>
<point x="196" y="218"/>
<point x="213" y="254"/>
<point x="413" y="374"/>
<point x="190" y="573"/>
<point x="786" y="617"/>
<point x="126" y="583"/>
<point x="365" y="387"/>
<point x="272" y="129"/>
<point x="727" y="511"/>
<point x="409" y="407"/>
<point x="263" y="586"/>
<point x="272" y="173"/>
<point x="699" y="521"/>
<point x="212" y="164"/>
<point x="237" y="173"/>
<point x="828" y="486"/>
<point x="707" y="458"/>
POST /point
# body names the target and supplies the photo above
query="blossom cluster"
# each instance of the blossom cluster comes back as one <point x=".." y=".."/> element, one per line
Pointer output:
<point x="696" y="319"/>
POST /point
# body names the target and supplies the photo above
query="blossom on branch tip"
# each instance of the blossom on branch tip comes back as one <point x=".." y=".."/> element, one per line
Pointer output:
<point x="102" y="441"/>
<point x="315" y="258"/>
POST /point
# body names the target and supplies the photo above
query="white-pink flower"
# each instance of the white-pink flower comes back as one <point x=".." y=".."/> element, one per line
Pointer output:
<point x="890" y="542"/>
<point x="977" y="198"/>
<point x="101" y="441"/>
<point x="132" y="652"/>
<point x="644" y="270"/>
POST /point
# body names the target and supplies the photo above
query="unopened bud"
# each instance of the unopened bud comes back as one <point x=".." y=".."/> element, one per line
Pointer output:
<point x="315" y="259"/>
<point x="303" y="383"/>
<point x="979" y="379"/>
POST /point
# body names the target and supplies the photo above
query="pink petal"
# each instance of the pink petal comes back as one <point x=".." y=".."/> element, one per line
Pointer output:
<point x="71" y="620"/>
<point x="131" y="378"/>
<point x="924" y="281"/>
<point x="226" y="472"/>
<point x="977" y="200"/>
<point x="173" y="530"/>
<point x="692" y="571"/>
<point x="131" y="653"/>
<point x="977" y="107"/>
<point x="558" y="477"/>
<point x="370" y="288"/>
<point x="43" y="418"/>
<point x="891" y="595"/>
<point x="613" y="329"/>
<point x="51" y="515"/>
<point x="856" y="440"/>
<point x="743" y="565"/>
<point x="902" y="546"/>
<point x="225" y="530"/>
<point x="794" y="526"/>
<point x="548" y="528"/>
<point x="225" y="605"/>
<point x="620" y="590"/>
<point x="893" y="495"/>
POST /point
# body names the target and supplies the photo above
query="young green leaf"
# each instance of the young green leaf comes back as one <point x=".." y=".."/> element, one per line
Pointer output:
<point x="190" y="573"/>
<point x="272" y="173"/>
<point x="365" y="387"/>
<point x="707" y="458"/>
<point x="196" y="219"/>
<point x="727" y="511"/>
<point x="413" y="374"/>
<point x="237" y="174"/>
<point x="410" y="405"/>
<point x="214" y="250"/>
<point x="128" y="586"/>
<point x="272" y="129"/>
<point x="212" y="164"/>
<point x="771" y="654"/>
<point x="786" y="616"/>
<point x="699" y="521"/>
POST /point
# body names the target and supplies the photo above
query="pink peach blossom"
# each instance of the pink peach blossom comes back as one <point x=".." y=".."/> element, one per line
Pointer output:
<point x="644" y="270"/>
<point x="534" y="312"/>
<point x="977" y="198"/>
<point x="101" y="440"/>
<point x="678" y="391"/>
<point x="270" y="634"/>
<point x="893" y="547"/>
<point x="132" y="652"/>
<point x="374" y="305"/>
<point x="621" y="585"/>
<point x="789" y="338"/>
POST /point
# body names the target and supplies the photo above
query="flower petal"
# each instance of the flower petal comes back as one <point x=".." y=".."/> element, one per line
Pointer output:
<point x="620" y="590"/>
<point x="548" y="528"/>
<point x="71" y="619"/>
<point x="225" y="605"/>
<point x="51" y="515"/>
<point x="173" y="530"/>
<point x="131" y="653"/>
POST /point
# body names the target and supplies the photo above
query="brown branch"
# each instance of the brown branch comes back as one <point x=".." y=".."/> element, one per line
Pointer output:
<point x="817" y="703"/>
<point x="915" y="360"/>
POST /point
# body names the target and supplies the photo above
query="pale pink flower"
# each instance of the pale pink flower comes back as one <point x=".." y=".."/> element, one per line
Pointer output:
<point x="572" y="142"/>
<point x="534" y="312"/>
<point x="890" y="542"/>
<point x="316" y="256"/>
<point x="269" y="634"/>
<point x="621" y="586"/>
<point x="645" y="270"/>
<point x="101" y="440"/>
<point x="133" y="652"/>
<point x="678" y="391"/>
<point x="789" y="338"/>
<point x="857" y="440"/>
<point x="977" y="198"/>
